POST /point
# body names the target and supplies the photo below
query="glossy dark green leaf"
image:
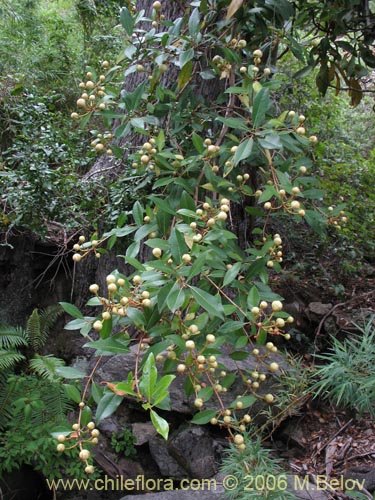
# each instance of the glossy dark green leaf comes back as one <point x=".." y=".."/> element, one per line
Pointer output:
<point x="71" y="309"/>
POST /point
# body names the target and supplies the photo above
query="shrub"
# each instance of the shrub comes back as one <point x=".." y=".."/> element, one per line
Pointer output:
<point x="348" y="376"/>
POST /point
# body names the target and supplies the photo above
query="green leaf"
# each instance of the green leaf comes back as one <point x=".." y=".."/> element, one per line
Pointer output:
<point x="86" y="416"/>
<point x="253" y="298"/>
<point x="109" y="345"/>
<point x="185" y="75"/>
<point x="69" y="373"/>
<point x="177" y="245"/>
<point x="243" y="151"/>
<point x="231" y="273"/>
<point x="194" y="23"/>
<point x="106" y="330"/>
<point x="208" y="302"/>
<point x="271" y="141"/>
<point x="198" y="143"/>
<point x="73" y="393"/>
<point x="245" y="400"/>
<point x="149" y="377"/>
<point x="186" y="56"/>
<point x="203" y="417"/>
<point x="237" y="123"/>
<point x="175" y="298"/>
<point x="94" y="301"/>
<point x="127" y="20"/>
<point x="71" y="309"/>
<point x="239" y="355"/>
<point x="161" y="425"/>
<point x="138" y="213"/>
<point x="161" y="390"/>
<point x="260" y="107"/>
<point x="163" y="295"/>
<point x="107" y="406"/>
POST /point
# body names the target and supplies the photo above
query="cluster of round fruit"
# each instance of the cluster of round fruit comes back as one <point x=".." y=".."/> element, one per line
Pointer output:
<point x="266" y="322"/>
<point x="156" y="16"/>
<point x="288" y="203"/>
<point x="91" y="101"/>
<point x="119" y="298"/>
<point x="299" y="128"/>
<point x="78" y="438"/>
<point x="254" y="69"/>
<point x="82" y="248"/>
<point x="338" y="219"/>
<point x="102" y="143"/>
<point x="91" y="92"/>
<point x="275" y="251"/>
<point x="145" y="155"/>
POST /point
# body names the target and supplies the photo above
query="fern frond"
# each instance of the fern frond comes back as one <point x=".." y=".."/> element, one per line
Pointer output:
<point x="6" y="393"/>
<point x="49" y="316"/>
<point x="33" y="330"/>
<point x="12" y="336"/>
<point x="45" y="366"/>
<point x="39" y="325"/>
<point x="9" y="358"/>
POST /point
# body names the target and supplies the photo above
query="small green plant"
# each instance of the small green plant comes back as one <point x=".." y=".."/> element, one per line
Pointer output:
<point x="123" y="443"/>
<point x="253" y="473"/>
<point x="348" y="376"/>
<point x="33" y="399"/>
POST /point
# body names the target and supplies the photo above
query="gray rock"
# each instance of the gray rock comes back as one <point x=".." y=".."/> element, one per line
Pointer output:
<point x="364" y="474"/>
<point x="319" y="309"/>
<point x="143" y="432"/>
<point x="116" y="368"/>
<point x="168" y="466"/>
<point x="194" y="450"/>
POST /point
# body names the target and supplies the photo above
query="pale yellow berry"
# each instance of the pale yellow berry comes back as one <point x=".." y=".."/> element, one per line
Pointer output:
<point x="190" y="344"/>
<point x="186" y="258"/>
<point x="94" y="288"/>
<point x="210" y="338"/>
<point x="181" y="368"/>
<point x="156" y="252"/>
<point x="276" y="305"/>
<point x="98" y="325"/>
<point x="84" y="454"/>
<point x="269" y="398"/>
<point x="60" y="447"/>
<point x="112" y="287"/>
<point x="280" y="322"/>
<point x="238" y="439"/>
<point x="77" y="257"/>
<point x="222" y="216"/>
<point x="274" y="367"/>
<point x="198" y="403"/>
